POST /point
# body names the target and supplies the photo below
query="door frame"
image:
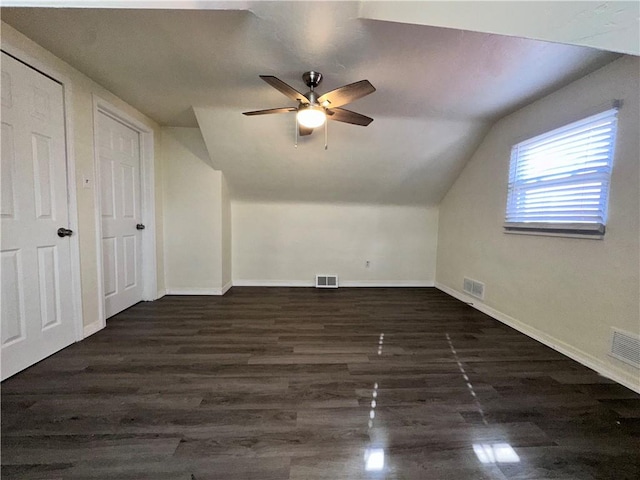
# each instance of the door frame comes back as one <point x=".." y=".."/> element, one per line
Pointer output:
<point x="147" y="201"/>
<point x="72" y="198"/>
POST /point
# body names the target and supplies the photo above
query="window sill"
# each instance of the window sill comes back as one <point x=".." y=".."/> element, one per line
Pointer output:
<point x="550" y="233"/>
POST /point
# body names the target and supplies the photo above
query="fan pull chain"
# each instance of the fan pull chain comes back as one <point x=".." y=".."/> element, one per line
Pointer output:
<point x="326" y="135"/>
<point x="296" y="129"/>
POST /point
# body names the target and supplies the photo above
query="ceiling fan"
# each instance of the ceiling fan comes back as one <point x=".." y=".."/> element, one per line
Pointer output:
<point x="313" y="110"/>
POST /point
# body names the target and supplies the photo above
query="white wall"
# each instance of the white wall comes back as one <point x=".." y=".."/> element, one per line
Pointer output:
<point x="288" y="244"/>
<point x="194" y="212"/>
<point x="82" y="116"/>
<point x="568" y="292"/>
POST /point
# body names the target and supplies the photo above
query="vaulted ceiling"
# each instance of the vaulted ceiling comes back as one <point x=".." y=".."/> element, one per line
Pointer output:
<point x="439" y="90"/>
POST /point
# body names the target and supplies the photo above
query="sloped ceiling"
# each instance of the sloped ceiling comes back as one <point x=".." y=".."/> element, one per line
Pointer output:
<point x="438" y="90"/>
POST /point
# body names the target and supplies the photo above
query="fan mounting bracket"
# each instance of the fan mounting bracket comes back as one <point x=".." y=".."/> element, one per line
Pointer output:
<point x="312" y="79"/>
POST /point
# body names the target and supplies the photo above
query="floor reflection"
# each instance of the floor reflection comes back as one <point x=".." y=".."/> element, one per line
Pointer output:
<point x="374" y="459"/>
<point x="374" y="455"/>
<point x="487" y="453"/>
<point x="374" y="404"/>
<point x="466" y="379"/>
<point x="495" y="453"/>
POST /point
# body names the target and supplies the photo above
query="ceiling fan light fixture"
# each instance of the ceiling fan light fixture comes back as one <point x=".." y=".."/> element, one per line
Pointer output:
<point x="312" y="110"/>
<point x="311" y="116"/>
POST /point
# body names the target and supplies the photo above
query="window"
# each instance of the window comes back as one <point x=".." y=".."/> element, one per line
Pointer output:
<point x="559" y="181"/>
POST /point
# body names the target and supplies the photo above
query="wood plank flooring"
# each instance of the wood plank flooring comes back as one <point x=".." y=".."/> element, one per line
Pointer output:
<point x="306" y="384"/>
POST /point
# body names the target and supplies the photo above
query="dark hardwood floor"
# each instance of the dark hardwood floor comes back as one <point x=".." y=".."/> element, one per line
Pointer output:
<point x="312" y="384"/>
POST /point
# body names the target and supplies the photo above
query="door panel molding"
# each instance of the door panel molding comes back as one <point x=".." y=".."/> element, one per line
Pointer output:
<point x="147" y="200"/>
<point x="72" y="198"/>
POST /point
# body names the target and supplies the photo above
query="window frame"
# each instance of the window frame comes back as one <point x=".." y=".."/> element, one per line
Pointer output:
<point x="592" y="230"/>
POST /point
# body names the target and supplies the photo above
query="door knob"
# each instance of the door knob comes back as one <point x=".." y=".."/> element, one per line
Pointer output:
<point x="64" y="232"/>
<point x="140" y="226"/>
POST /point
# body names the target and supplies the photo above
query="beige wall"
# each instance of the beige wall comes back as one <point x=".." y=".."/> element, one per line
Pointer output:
<point x="568" y="292"/>
<point x="82" y="117"/>
<point x="226" y="236"/>
<point x="276" y="243"/>
<point x="603" y="25"/>
<point x="193" y="210"/>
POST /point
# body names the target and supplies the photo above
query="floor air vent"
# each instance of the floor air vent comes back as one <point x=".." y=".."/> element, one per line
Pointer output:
<point x="625" y="347"/>
<point x="473" y="287"/>
<point x="326" y="281"/>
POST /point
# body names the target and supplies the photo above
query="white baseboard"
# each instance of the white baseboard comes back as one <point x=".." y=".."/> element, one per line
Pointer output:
<point x="226" y="288"/>
<point x="194" y="291"/>
<point x="160" y="294"/>
<point x="90" y="329"/>
<point x="386" y="283"/>
<point x="273" y="283"/>
<point x="345" y="284"/>
<point x="579" y="356"/>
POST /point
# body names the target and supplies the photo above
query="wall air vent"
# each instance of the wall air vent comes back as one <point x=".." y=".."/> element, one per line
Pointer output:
<point x="326" y="281"/>
<point x="473" y="288"/>
<point x="468" y="285"/>
<point x="625" y="346"/>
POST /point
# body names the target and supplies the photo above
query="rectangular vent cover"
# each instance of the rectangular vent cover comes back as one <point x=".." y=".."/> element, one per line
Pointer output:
<point x="326" y="281"/>
<point x="625" y="347"/>
<point x="473" y="288"/>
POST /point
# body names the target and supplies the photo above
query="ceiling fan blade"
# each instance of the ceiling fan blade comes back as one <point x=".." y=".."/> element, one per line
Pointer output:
<point x="346" y="94"/>
<point x="271" y="110"/>
<point x="347" y="116"/>
<point x="282" y="87"/>
<point x="304" y="131"/>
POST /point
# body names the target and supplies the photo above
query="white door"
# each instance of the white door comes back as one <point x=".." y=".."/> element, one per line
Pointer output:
<point x="37" y="303"/>
<point x="119" y="161"/>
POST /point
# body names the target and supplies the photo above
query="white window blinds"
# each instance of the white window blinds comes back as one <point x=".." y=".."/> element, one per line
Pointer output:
<point x="559" y="181"/>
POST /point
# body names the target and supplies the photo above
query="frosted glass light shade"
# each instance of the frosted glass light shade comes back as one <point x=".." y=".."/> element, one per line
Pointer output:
<point x="311" y="117"/>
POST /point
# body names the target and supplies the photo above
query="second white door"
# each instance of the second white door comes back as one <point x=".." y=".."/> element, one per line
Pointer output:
<point x="119" y="171"/>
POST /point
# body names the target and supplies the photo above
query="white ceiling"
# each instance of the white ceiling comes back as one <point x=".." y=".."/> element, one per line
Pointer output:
<point x="438" y="90"/>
